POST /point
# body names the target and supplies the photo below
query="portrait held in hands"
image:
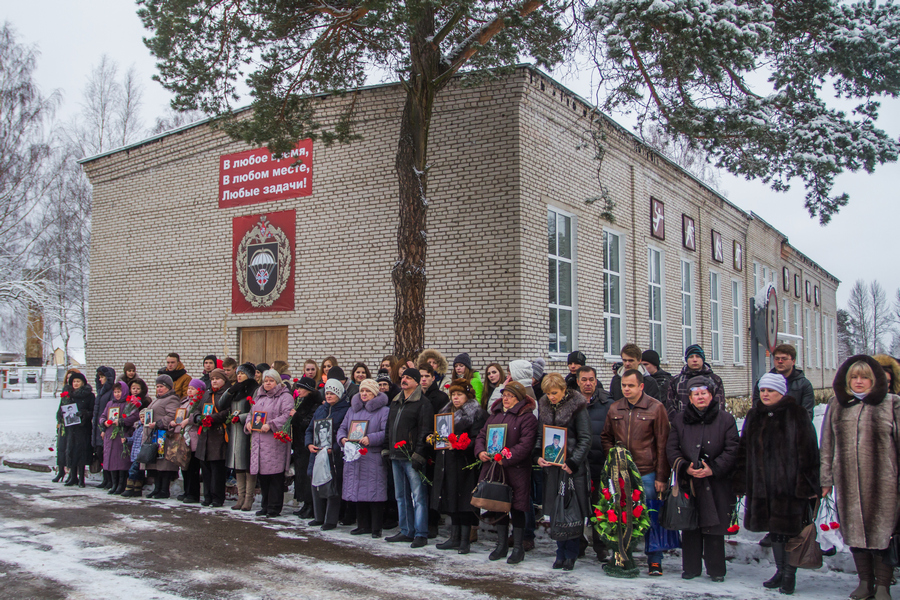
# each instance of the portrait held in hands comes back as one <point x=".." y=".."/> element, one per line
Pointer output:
<point x="555" y="444"/>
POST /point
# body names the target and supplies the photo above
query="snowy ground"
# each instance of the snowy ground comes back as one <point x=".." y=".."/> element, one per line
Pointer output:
<point x="58" y="542"/>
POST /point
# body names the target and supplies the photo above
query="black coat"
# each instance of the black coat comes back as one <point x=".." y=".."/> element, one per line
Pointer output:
<point x="570" y="413"/>
<point x="211" y="442"/>
<point x="437" y="398"/>
<point x="452" y="486"/>
<point x="777" y="467"/>
<point x="302" y="418"/>
<point x="104" y="397"/>
<point x="714" y="437"/>
<point x="662" y="379"/>
<point x="597" y="408"/>
<point x="79" y="450"/>
<point x="410" y="420"/>
<point x="651" y="388"/>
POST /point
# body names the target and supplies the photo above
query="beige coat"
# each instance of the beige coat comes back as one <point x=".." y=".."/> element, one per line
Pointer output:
<point x="860" y="455"/>
<point x="164" y="408"/>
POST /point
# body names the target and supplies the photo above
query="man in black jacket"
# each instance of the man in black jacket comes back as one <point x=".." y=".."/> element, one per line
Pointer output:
<point x="410" y="421"/>
<point x="678" y="395"/>
<point x="598" y="406"/>
<point x="576" y="360"/>
<point x="650" y="362"/>
<point x="631" y="359"/>
<point x="432" y="390"/>
<point x="799" y="387"/>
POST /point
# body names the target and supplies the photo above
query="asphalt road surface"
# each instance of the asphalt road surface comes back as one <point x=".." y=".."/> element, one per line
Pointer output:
<point x="71" y="543"/>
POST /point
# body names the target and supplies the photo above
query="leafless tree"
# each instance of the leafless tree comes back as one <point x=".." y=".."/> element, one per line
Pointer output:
<point x="882" y="319"/>
<point x="859" y="309"/>
<point x="173" y="119"/>
<point x="685" y="154"/>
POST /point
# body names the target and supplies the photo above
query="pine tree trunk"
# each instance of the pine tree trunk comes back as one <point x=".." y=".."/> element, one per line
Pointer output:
<point x="408" y="275"/>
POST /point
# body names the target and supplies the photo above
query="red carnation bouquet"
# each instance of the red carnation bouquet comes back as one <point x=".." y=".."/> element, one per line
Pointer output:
<point x="459" y="442"/>
<point x="404" y="447"/>
<point x="622" y="502"/>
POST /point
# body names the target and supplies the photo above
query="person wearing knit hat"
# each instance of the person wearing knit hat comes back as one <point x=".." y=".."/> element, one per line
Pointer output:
<point x="774" y="382"/>
<point x="678" y="396"/>
<point x="784" y="357"/>
<point x="161" y="380"/>
<point x="237" y="403"/>
<point x="260" y="369"/>
<point x="410" y="422"/>
<point x="248" y="369"/>
<point x="198" y="385"/>
<point x="210" y="362"/>
<point x="162" y="412"/>
<point x="337" y="373"/>
<point x="650" y="362"/>
<point x="321" y="436"/>
<point x="190" y="474"/>
<point x="574" y="361"/>
<point x="371" y="385"/>
<point x="333" y="386"/>
<point x="462" y="369"/>
<point x="212" y="438"/>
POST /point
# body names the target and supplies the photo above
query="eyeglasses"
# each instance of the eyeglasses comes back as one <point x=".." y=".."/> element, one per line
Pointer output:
<point x="781" y="358"/>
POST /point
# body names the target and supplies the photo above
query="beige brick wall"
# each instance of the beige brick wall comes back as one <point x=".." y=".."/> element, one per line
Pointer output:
<point x="500" y="154"/>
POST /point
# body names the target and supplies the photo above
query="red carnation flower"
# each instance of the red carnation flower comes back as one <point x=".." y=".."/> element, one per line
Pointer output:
<point x="733" y="529"/>
<point x="507" y="453"/>
<point x="637" y="511"/>
<point x="607" y="494"/>
<point x="400" y="444"/>
<point x="598" y="513"/>
<point x="823" y="527"/>
<point x="109" y="422"/>
<point x="622" y="503"/>
<point x="611" y="516"/>
<point x="451" y="438"/>
<point x="50" y="449"/>
<point x="363" y="451"/>
<point x="834" y="525"/>
<point x="497" y="457"/>
<point x="636" y="495"/>
<point x="235" y="419"/>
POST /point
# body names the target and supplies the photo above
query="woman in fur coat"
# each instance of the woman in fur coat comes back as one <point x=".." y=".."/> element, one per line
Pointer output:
<point x="778" y="472"/>
<point x="236" y="402"/>
<point x="451" y="492"/>
<point x="79" y="450"/>
<point x="563" y="407"/>
<point x="860" y="450"/>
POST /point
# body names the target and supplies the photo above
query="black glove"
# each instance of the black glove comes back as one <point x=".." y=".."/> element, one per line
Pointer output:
<point x="418" y="461"/>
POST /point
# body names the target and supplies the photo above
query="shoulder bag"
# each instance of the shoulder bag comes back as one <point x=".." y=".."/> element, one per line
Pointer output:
<point x="679" y="509"/>
<point x="493" y="495"/>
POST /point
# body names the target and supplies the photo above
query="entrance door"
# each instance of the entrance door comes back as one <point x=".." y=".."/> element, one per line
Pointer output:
<point x="264" y="344"/>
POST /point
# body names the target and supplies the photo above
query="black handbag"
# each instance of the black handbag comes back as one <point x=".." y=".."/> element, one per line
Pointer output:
<point x="679" y="509"/>
<point x="567" y="520"/>
<point x="803" y="550"/>
<point x="148" y="453"/>
<point x="492" y="495"/>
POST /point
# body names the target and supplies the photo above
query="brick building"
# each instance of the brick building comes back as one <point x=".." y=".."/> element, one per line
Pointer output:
<point x="521" y="261"/>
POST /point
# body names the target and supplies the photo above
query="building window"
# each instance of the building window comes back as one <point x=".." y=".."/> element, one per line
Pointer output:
<point x="834" y="356"/>
<point x="786" y="315"/>
<point x="817" y="340"/>
<point x="687" y="304"/>
<point x="613" y="291"/>
<point x="715" y="318"/>
<point x="738" y="330"/>
<point x="807" y="338"/>
<point x="826" y="341"/>
<point x="561" y="267"/>
<point x="755" y="277"/>
<point x="799" y="335"/>
<point x="655" y="297"/>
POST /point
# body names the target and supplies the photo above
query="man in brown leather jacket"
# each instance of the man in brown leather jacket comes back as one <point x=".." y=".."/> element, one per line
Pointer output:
<point x="640" y="423"/>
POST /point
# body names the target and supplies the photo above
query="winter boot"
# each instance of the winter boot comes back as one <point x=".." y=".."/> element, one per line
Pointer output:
<point x="242" y="490"/>
<point x="138" y="491"/>
<point x="865" y="569"/>
<point x="59" y="475"/>
<point x="157" y="485"/>
<point x="250" y="492"/>
<point x="129" y="489"/>
<point x="502" y="548"/>
<point x="107" y="480"/>
<point x="123" y="482"/>
<point x="778" y="555"/>
<point x="465" y="535"/>
<point x="518" y="553"/>
<point x="80" y="473"/>
<point x="166" y="480"/>
<point x="72" y="479"/>
<point x="452" y="542"/>
<point x="113" y="482"/>
<point x="789" y="581"/>
<point x="883" y="575"/>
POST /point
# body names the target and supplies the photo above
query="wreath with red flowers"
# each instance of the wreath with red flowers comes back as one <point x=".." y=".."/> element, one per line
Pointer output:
<point x="621" y="516"/>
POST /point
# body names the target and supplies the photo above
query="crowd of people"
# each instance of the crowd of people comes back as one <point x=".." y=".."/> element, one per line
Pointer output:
<point x="410" y="443"/>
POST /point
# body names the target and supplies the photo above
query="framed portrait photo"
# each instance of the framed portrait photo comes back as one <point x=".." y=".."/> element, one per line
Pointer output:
<point x="148" y="417"/>
<point x="323" y="436"/>
<point x="70" y="415"/>
<point x="496" y="438"/>
<point x="796" y="286"/>
<point x="207" y="409"/>
<point x="808" y="291"/>
<point x="357" y="430"/>
<point x="180" y="415"/>
<point x="112" y="414"/>
<point x="785" y="279"/>
<point x="554" y="442"/>
<point x="657" y="219"/>
<point x="816" y="295"/>
<point x="738" y="253"/>
<point x="718" y="250"/>
<point x="443" y="427"/>
<point x="688" y="235"/>
<point x="258" y="420"/>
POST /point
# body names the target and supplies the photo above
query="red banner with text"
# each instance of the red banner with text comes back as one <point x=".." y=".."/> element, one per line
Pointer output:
<point x="256" y="176"/>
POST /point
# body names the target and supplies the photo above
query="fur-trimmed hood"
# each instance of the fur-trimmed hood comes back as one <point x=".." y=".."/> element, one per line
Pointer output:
<point x="874" y="397"/>
<point x="464" y="416"/>
<point x="888" y="363"/>
<point x="523" y="406"/>
<point x="437" y="356"/>
<point x="376" y="403"/>
<point x="561" y="414"/>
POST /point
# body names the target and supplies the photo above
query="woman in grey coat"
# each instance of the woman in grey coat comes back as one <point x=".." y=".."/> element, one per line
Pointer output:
<point x="236" y="402"/>
<point x="563" y="407"/>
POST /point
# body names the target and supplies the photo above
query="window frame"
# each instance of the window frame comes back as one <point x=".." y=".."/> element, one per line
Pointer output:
<point x="691" y="295"/>
<point x="715" y="315"/>
<point x="662" y="301"/>
<point x="798" y="331"/>
<point x="573" y="261"/>
<point x="737" y="323"/>
<point x="609" y="353"/>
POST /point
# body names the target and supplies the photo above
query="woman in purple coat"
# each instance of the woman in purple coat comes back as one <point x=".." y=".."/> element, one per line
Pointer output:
<point x="515" y="409"/>
<point x="365" y="477"/>
<point x="269" y="457"/>
<point x="116" y="461"/>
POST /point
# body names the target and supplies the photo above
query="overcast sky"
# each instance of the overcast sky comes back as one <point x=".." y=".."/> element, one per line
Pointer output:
<point x="71" y="36"/>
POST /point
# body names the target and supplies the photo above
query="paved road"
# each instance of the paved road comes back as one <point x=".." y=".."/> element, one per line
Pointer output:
<point x="71" y="543"/>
